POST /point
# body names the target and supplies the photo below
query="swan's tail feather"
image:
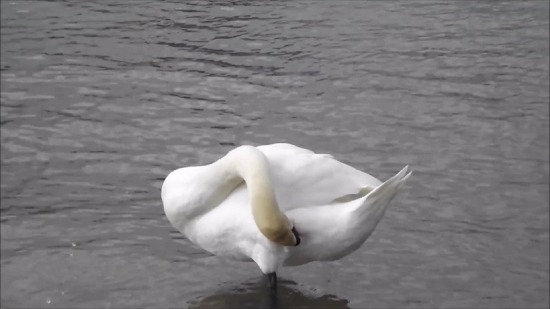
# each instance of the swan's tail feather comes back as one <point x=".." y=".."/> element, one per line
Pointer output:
<point x="377" y="200"/>
<point x="390" y="186"/>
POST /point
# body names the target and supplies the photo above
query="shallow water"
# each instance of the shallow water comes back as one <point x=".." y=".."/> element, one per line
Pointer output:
<point x="101" y="100"/>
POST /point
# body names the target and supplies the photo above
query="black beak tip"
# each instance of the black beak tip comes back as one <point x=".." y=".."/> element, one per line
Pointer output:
<point x="298" y="240"/>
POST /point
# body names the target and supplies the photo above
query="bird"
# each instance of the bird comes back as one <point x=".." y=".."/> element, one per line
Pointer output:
<point x="277" y="205"/>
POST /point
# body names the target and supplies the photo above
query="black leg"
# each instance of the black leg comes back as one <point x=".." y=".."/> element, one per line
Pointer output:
<point x="272" y="283"/>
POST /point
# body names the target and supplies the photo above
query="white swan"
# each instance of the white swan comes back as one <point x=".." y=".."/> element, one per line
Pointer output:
<point x="277" y="205"/>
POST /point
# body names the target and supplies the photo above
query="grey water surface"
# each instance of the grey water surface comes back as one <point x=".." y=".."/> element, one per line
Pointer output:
<point x="100" y="100"/>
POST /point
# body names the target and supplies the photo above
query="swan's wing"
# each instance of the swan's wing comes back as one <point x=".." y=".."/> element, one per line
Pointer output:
<point x="283" y="148"/>
<point x="303" y="178"/>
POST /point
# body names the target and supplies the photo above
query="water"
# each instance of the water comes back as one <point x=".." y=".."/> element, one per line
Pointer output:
<point x="101" y="100"/>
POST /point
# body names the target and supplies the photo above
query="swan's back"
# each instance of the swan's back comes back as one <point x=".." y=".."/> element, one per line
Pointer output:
<point x="303" y="178"/>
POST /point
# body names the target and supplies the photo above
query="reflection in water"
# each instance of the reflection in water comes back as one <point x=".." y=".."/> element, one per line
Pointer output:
<point x="255" y="294"/>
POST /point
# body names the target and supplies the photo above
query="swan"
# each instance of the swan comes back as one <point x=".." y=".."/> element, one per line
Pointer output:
<point x="277" y="205"/>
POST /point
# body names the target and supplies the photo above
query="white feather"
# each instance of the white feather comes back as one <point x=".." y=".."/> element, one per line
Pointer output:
<point x="333" y="206"/>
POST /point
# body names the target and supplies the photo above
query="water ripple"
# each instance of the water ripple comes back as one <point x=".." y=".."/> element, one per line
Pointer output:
<point x="100" y="101"/>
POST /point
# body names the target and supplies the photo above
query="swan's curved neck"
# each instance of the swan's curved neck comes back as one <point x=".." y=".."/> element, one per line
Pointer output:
<point x="251" y="165"/>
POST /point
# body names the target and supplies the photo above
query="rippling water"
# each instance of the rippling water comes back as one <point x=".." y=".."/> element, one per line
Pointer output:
<point x="101" y="99"/>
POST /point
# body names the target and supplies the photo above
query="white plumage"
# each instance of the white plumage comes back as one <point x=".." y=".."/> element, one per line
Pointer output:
<point x="333" y="206"/>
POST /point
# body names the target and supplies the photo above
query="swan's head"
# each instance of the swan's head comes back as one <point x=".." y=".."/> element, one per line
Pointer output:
<point x="285" y="237"/>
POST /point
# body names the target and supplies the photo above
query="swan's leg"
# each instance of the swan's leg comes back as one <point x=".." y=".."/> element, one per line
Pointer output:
<point x="272" y="281"/>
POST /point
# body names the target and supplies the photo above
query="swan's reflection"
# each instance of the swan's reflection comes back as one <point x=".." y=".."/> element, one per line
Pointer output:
<point x="255" y="294"/>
